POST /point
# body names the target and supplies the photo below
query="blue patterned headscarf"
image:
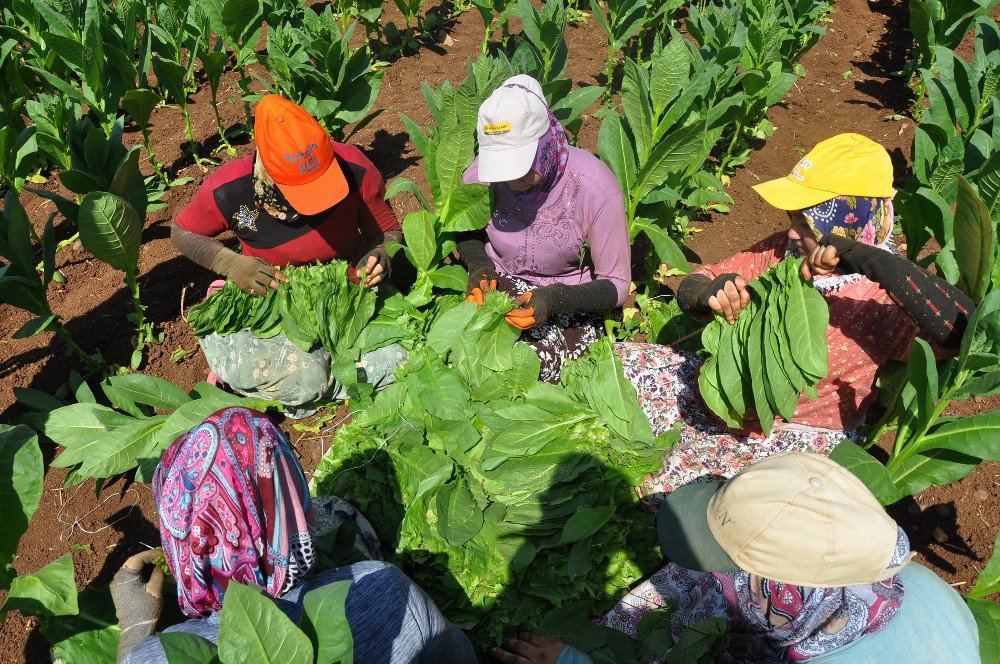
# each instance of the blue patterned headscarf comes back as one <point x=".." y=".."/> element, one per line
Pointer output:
<point x="867" y="220"/>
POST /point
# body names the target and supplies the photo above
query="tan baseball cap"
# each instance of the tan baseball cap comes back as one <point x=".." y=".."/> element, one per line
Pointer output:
<point x="510" y="124"/>
<point x="797" y="518"/>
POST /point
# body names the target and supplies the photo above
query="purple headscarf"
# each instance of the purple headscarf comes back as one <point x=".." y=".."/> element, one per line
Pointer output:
<point x="233" y="504"/>
<point x="551" y="157"/>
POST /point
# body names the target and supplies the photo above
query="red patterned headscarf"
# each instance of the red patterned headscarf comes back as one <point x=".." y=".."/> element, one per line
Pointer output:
<point x="233" y="504"/>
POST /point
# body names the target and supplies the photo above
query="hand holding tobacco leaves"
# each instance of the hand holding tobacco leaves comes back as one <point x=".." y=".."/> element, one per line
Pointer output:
<point x="774" y="351"/>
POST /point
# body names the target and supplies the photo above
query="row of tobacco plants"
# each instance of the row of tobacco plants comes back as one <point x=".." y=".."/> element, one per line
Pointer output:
<point x="952" y="200"/>
<point x="77" y="72"/>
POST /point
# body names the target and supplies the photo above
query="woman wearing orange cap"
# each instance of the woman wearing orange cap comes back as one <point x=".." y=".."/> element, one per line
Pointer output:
<point x="839" y="202"/>
<point x="299" y="199"/>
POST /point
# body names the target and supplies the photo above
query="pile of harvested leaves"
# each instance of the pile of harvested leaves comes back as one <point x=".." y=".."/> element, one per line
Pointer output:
<point x="504" y="497"/>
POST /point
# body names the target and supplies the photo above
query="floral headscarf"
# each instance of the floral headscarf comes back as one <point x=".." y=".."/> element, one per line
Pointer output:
<point x="551" y="157"/>
<point x="233" y="505"/>
<point x="802" y="622"/>
<point x="867" y="220"/>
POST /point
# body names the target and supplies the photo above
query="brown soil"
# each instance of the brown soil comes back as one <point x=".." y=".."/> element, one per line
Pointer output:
<point x="952" y="527"/>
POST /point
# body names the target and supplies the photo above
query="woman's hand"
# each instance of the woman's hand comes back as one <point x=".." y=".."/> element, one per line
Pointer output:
<point x="822" y="260"/>
<point x="138" y="603"/>
<point x="254" y="275"/>
<point x="375" y="265"/>
<point x="731" y="299"/>
<point x="479" y="285"/>
<point x="529" y="648"/>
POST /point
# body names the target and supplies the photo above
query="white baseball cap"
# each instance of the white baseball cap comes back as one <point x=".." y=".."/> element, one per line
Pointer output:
<point x="510" y="124"/>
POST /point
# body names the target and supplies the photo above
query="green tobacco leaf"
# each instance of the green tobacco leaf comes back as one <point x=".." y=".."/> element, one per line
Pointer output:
<point x="987" y="615"/>
<point x="868" y="469"/>
<point x="585" y="522"/>
<point x="937" y="466"/>
<point x="122" y="449"/>
<point x="674" y="153"/>
<point x="975" y="435"/>
<point x="36" y="326"/>
<point x="150" y="390"/>
<point x="324" y="621"/>
<point x="421" y="238"/>
<point x="91" y="636"/>
<point x="988" y="581"/>
<point x="140" y="105"/>
<point x="51" y="591"/>
<point x="654" y="633"/>
<point x="21" y="477"/>
<point x="459" y="516"/>
<point x="615" y="145"/>
<point x="440" y="390"/>
<point x="420" y="470"/>
<point x="111" y="230"/>
<point x="255" y="631"/>
<point x="701" y="642"/>
<point x="187" y="648"/>
<point x="974" y="240"/>
<point x="78" y="428"/>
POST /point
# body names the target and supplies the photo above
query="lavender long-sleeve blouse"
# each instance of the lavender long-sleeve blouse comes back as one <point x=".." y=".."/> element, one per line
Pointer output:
<point x="542" y="242"/>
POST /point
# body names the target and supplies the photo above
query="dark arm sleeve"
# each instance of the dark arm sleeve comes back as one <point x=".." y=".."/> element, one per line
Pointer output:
<point x="941" y="310"/>
<point x="596" y="295"/>
<point x="696" y="289"/>
<point x="472" y="251"/>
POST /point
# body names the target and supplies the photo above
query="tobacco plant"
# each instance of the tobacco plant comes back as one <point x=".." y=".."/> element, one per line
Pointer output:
<point x="238" y="23"/>
<point x="111" y="230"/>
<point x="96" y="50"/>
<point x="495" y="15"/>
<point x="622" y="23"/>
<point x="146" y="414"/>
<point x="18" y="156"/>
<point x="22" y="284"/>
<point x="51" y="591"/>
<point x="448" y="148"/>
<point x="315" y="66"/>
<point x="56" y="119"/>
<point x="658" y="147"/>
<point x="956" y="159"/>
<point x="544" y="31"/>
<point x="931" y="447"/>
<point x="936" y="24"/>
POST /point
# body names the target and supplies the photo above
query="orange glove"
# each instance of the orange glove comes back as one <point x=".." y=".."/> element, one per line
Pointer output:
<point x="478" y="293"/>
<point x="524" y="316"/>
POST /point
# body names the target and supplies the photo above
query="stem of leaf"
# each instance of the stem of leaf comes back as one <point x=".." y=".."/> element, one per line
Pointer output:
<point x="902" y="452"/>
<point x="73" y="347"/>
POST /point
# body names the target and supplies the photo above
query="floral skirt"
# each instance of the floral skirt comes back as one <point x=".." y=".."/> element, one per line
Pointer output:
<point x="563" y="337"/>
<point x="666" y="381"/>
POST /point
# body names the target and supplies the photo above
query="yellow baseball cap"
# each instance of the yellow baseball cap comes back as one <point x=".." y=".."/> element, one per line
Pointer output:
<point x="844" y="165"/>
<point x="796" y="518"/>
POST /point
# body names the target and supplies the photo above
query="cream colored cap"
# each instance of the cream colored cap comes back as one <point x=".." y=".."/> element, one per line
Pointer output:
<point x="803" y="519"/>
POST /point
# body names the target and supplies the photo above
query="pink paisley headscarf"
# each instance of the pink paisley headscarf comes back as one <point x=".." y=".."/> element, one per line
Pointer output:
<point x="233" y="505"/>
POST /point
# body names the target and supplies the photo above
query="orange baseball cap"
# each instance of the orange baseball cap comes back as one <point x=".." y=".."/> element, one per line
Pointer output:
<point x="298" y="153"/>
